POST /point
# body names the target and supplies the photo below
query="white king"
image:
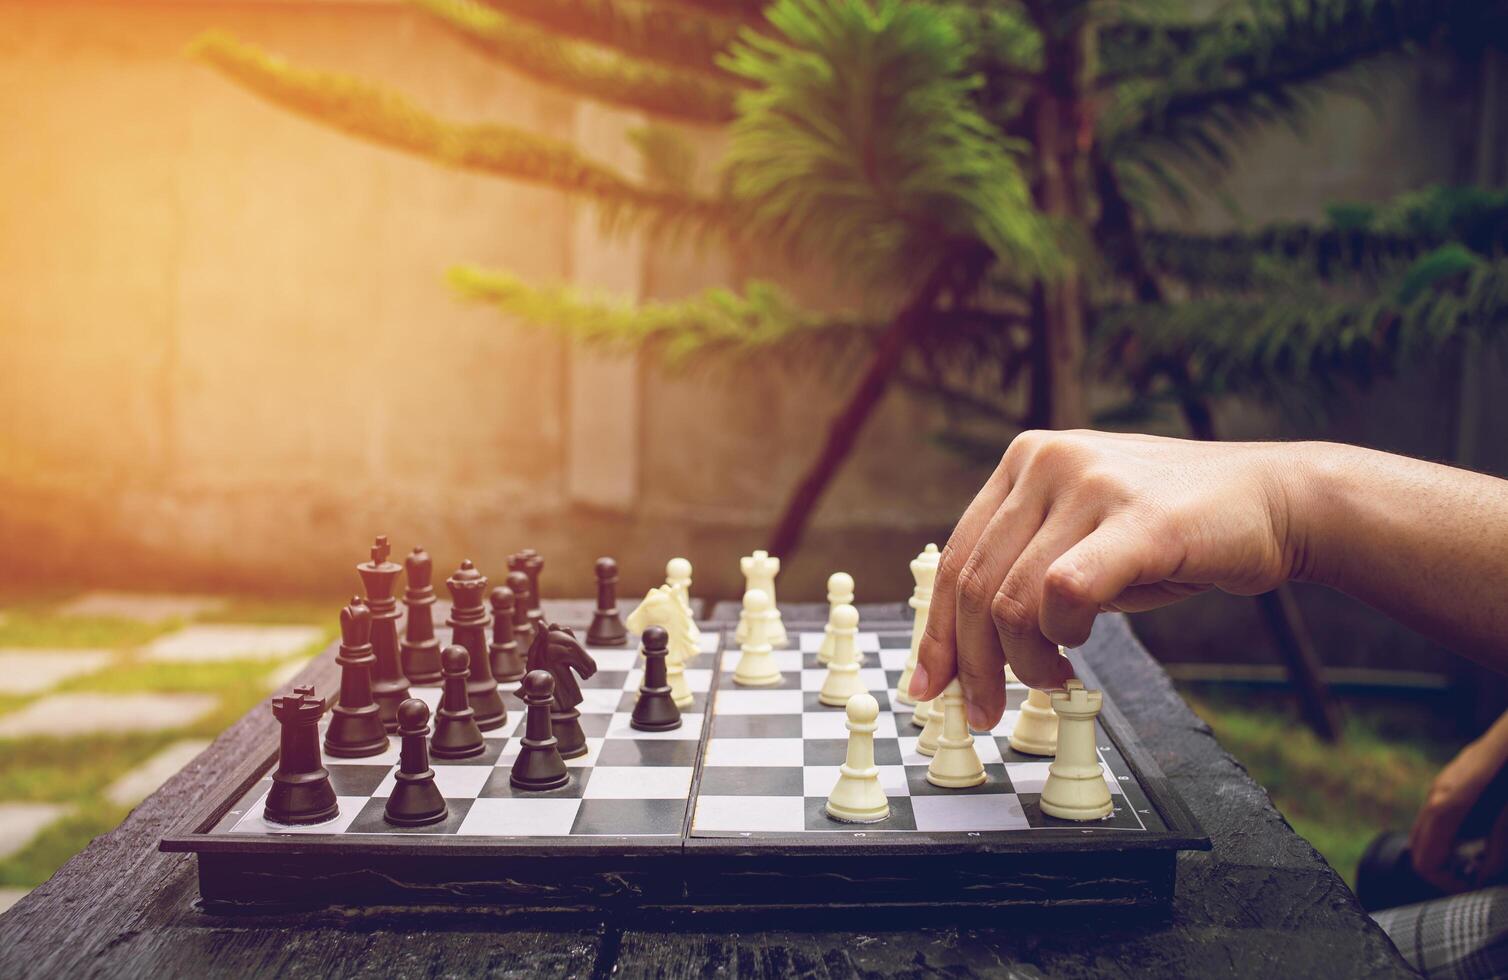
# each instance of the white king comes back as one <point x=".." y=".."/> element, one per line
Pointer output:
<point x="924" y="571"/>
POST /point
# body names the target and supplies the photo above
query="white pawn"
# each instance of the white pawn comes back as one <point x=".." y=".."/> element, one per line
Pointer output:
<point x="756" y="663"/>
<point x="1036" y="728"/>
<point x="1010" y="675"/>
<point x="842" y="681"/>
<point x="921" y="714"/>
<point x="932" y="731"/>
<point x="759" y="571"/>
<point x="923" y="571"/>
<point x="839" y="592"/>
<point x="1075" y="787"/>
<point x="678" y="577"/>
<point x="858" y="796"/>
<point x="955" y="765"/>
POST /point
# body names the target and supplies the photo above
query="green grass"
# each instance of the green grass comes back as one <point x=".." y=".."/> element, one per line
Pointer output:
<point x="1338" y="797"/>
<point x="34" y="626"/>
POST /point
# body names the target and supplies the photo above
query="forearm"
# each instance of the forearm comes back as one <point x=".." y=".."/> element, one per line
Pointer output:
<point x="1424" y="543"/>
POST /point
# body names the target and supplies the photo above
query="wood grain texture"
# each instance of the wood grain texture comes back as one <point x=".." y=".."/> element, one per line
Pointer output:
<point x="1262" y="903"/>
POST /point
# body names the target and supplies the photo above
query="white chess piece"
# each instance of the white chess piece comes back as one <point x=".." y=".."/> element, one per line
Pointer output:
<point x="1075" y="787"/>
<point x="921" y="714"/>
<point x="759" y="571"/>
<point x="660" y="608"/>
<point x="955" y="764"/>
<point x="756" y="663"/>
<point x="678" y="577"/>
<point x="858" y="796"/>
<point x="842" y="681"/>
<point x="932" y="731"/>
<point x="839" y="592"/>
<point x="1036" y="728"/>
<point x="1010" y="675"/>
<point x="923" y="571"/>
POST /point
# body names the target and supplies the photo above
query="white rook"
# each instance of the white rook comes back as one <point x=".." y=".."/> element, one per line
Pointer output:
<point x="1075" y="787"/>
<point x="759" y="571"/>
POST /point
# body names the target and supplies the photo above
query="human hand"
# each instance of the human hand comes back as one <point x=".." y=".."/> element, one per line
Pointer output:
<point x="1455" y="790"/>
<point x="1074" y="523"/>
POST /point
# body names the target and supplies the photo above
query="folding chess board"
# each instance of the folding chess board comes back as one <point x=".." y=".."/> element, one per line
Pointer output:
<point x="726" y="811"/>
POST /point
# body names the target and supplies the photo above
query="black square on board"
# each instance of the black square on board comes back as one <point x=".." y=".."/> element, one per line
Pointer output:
<point x="751" y="781"/>
<point x="756" y="726"/>
<point x="612" y="679"/>
<point x="371" y="820"/>
<point x="630" y="817"/>
<point x="357" y="780"/>
<point x="901" y="818"/>
<point x="834" y="751"/>
<point x="698" y="702"/>
<point x="647" y="752"/>
<point x="895" y="641"/>
<point x="995" y="781"/>
<point x="498" y="787"/>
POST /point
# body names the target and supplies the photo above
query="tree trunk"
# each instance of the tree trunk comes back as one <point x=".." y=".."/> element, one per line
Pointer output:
<point x="843" y="431"/>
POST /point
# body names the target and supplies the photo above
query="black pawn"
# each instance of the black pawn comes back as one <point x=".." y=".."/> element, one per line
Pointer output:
<point x="531" y="564"/>
<point x="607" y="628"/>
<point x="655" y="711"/>
<point x="456" y="735"/>
<point x="389" y="685"/>
<point x="507" y="662"/>
<point x="355" y="724"/>
<point x="301" y="792"/>
<point x="539" y="765"/>
<point x="523" y="626"/>
<point x="420" y="649"/>
<point x="415" y="800"/>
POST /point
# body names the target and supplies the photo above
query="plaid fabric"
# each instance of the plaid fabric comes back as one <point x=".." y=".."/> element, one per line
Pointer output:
<point x="1460" y="936"/>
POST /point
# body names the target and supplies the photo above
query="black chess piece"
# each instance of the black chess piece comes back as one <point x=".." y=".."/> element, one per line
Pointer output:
<point x="389" y="685"/>
<point x="355" y="724"/>
<point x="507" y="662"/>
<point x="523" y="626"/>
<point x="415" y="800"/>
<point x="531" y="564"/>
<point x="468" y="628"/>
<point x="456" y="733"/>
<point x="539" y="765"/>
<point x="301" y="792"/>
<point x="556" y="649"/>
<point x="656" y="710"/>
<point x="420" y="650"/>
<point x="607" y="628"/>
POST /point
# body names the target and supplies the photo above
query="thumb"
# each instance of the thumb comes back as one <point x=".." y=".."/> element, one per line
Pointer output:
<point x="1115" y="556"/>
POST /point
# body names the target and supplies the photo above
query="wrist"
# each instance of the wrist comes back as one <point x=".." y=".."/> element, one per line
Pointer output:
<point x="1315" y="480"/>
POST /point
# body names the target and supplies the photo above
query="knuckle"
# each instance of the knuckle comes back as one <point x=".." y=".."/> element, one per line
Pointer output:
<point x="1011" y="616"/>
<point x="974" y="587"/>
<point x="1065" y="583"/>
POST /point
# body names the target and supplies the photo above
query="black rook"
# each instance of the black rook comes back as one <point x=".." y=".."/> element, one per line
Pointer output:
<point x="301" y="792"/>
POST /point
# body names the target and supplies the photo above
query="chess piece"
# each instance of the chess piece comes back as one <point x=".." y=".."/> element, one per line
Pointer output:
<point x="507" y="662"/>
<point x="456" y="733"/>
<point x="932" y="730"/>
<point x="858" y="796"/>
<point x="1036" y="728"/>
<point x="420" y="650"/>
<point x="760" y="570"/>
<point x="523" y="626"/>
<point x="468" y="628"/>
<point x="923" y="572"/>
<point x="607" y="628"/>
<point x="301" y="792"/>
<point x="921" y="714"/>
<point x="842" y="681"/>
<point x="389" y="685"/>
<point x="655" y="710"/>
<point x="660" y="608"/>
<point x="415" y="800"/>
<point x="955" y="764"/>
<point x="356" y="727"/>
<point x="839" y="592"/>
<point x="539" y="766"/>
<point x="556" y="649"/>
<point x="678" y="577"/>
<point x="1075" y="787"/>
<point x="756" y="663"/>
<point x="531" y="564"/>
<point x="1010" y="675"/>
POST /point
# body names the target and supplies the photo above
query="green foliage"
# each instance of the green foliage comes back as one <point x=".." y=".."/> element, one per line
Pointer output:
<point x="582" y="69"/>
<point x="657" y="34"/>
<point x="860" y="145"/>
<point x="714" y="326"/>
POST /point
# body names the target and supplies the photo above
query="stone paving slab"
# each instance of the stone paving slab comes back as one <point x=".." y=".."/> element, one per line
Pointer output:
<point x="140" y="782"/>
<point x="31" y="671"/>
<point x="282" y="675"/>
<point x="144" y="607"/>
<point x="10" y="896"/>
<point x="89" y="713"/>
<point x="213" y="643"/>
<point x="20" y="822"/>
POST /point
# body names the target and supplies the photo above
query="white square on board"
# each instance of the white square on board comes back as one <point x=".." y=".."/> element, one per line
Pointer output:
<point x="741" y="701"/>
<point x="625" y="659"/>
<point x="639" y="783"/>
<point x="254" y="821"/>
<point x="621" y="727"/>
<point x="812" y="678"/>
<point x="454" y="782"/>
<point x="833" y="723"/>
<point x="820" y="780"/>
<point x="600" y="700"/>
<point x="988" y="811"/>
<point x="750" y="813"/>
<point x="1028" y="777"/>
<point x="520" y="818"/>
<point x="754" y="752"/>
<point x="894" y="659"/>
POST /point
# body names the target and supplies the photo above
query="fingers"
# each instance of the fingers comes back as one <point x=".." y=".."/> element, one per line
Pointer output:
<point x="1495" y="858"/>
<point x="1431" y="841"/>
<point x="1115" y="556"/>
<point x="1140" y="598"/>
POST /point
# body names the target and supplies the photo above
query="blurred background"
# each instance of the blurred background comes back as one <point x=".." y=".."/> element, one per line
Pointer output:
<point x="690" y="277"/>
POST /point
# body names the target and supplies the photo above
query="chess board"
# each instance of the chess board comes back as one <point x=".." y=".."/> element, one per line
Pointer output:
<point x="726" y="811"/>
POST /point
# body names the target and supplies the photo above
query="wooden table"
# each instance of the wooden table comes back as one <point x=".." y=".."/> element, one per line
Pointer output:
<point x="1261" y="904"/>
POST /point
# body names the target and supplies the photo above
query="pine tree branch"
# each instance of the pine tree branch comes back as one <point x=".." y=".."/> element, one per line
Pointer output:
<point x="685" y="96"/>
<point x="746" y="11"/>
<point x="384" y="117"/>
<point x="715" y="327"/>
<point x="668" y="37"/>
<point x="1232" y="261"/>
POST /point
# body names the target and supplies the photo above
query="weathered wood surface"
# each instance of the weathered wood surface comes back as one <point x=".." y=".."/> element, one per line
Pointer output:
<point x="1261" y="904"/>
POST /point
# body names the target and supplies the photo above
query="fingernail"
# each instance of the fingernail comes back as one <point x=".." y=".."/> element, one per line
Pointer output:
<point x="918" y="681"/>
<point x="977" y="719"/>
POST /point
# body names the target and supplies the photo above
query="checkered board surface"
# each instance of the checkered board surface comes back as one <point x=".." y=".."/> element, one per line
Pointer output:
<point x="772" y="757"/>
<point x="628" y="784"/>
